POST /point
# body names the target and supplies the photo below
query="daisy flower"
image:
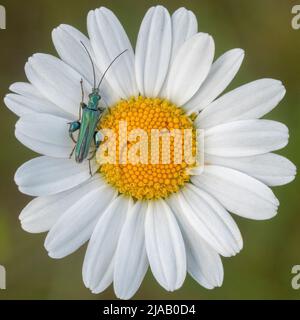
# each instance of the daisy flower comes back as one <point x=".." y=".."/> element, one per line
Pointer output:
<point x="172" y="217"/>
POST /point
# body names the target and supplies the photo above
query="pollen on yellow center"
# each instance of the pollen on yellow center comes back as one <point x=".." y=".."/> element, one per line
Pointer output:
<point x="147" y="180"/>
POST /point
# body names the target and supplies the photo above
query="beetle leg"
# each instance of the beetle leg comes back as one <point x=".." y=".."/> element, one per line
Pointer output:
<point x="82" y="98"/>
<point x="72" y="137"/>
<point x="82" y="104"/>
<point x="82" y="91"/>
<point x="93" y="155"/>
<point x="98" y="137"/>
<point x="71" y="154"/>
<point x="103" y="112"/>
<point x="89" y="160"/>
<point x="90" y="169"/>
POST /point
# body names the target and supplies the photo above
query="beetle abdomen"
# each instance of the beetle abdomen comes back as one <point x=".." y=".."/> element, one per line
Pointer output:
<point x="82" y="148"/>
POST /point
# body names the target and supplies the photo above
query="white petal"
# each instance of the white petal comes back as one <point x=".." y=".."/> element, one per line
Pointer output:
<point x="22" y="105"/>
<point x="28" y="99"/>
<point x="57" y="81"/>
<point x="68" y="42"/>
<point x="25" y="89"/>
<point x="238" y="192"/>
<point x="209" y="219"/>
<point x="39" y="216"/>
<point x="106" y="279"/>
<point x="250" y="101"/>
<point x="184" y="26"/>
<point x="43" y="212"/>
<point x="165" y="246"/>
<point x="245" y="138"/>
<point x="203" y="263"/>
<point x="271" y="169"/>
<point x="97" y="273"/>
<point x="190" y="68"/>
<point x="44" y="176"/>
<point x="45" y="134"/>
<point x="220" y="75"/>
<point x="108" y="39"/>
<point x="77" y="223"/>
<point x="131" y="261"/>
<point x="153" y="51"/>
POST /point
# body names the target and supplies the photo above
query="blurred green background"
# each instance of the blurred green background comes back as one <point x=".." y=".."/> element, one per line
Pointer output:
<point x="263" y="29"/>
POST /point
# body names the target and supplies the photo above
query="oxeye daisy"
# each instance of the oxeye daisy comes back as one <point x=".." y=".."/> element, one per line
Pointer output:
<point x="172" y="216"/>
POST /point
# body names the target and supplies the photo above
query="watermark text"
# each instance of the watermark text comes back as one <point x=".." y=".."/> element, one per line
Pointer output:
<point x="296" y="19"/>
<point x="159" y="146"/>
<point x="2" y="17"/>
<point x="2" y="278"/>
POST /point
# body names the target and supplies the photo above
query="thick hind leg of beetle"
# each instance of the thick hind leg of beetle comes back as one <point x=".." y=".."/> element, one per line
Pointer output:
<point x="73" y="127"/>
<point x="98" y="138"/>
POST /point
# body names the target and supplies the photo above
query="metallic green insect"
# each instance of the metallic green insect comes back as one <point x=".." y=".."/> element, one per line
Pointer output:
<point x="89" y="116"/>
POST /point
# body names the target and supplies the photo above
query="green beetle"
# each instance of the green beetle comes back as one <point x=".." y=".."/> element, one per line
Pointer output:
<point x="89" y="116"/>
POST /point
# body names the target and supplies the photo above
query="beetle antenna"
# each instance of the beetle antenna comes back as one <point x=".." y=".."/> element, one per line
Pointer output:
<point x="109" y="67"/>
<point x="89" y="55"/>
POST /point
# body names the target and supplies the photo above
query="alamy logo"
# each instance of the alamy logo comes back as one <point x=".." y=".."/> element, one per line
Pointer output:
<point x="2" y="17"/>
<point x="296" y="278"/>
<point x="2" y="278"/>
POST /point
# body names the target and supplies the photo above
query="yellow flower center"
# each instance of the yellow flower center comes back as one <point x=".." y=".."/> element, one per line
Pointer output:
<point x="160" y="170"/>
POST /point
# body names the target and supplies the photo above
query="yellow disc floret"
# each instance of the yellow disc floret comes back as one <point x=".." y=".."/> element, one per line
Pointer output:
<point x="157" y="173"/>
